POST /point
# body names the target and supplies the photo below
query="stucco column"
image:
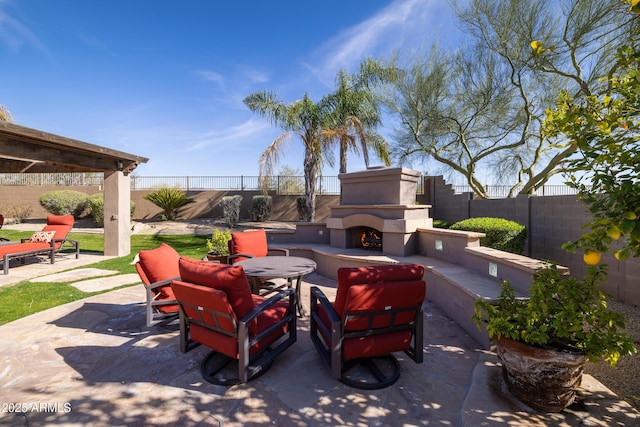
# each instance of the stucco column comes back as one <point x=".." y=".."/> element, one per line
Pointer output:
<point x="117" y="222"/>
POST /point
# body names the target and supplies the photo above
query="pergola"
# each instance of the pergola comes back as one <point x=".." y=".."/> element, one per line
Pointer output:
<point x="26" y="150"/>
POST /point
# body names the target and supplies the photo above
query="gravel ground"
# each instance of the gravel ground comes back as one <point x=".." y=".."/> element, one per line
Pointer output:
<point x="624" y="378"/>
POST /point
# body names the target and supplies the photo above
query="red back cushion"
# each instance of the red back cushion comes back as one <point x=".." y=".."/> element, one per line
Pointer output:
<point x="160" y="263"/>
<point x="348" y="277"/>
<point x="228" y="278"/>
<point x="60" y="224"/>
<point x="251" y="242"/>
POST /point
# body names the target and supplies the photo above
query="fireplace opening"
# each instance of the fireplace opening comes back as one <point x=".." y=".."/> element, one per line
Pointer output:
<point x="366" y="238"/>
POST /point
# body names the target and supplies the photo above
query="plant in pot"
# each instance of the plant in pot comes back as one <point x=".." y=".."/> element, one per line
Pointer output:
<point x="544" y="341"/>
<point x="218" y="246"/>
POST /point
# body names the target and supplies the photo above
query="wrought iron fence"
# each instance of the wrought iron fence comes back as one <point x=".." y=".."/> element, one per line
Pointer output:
<point x="282" y="184"/>
<point x="502" y="191"/>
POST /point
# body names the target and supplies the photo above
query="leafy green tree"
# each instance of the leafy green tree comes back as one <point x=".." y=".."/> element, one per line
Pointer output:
<point x="604" y="128"/>
<point x="303" y="119"/>
<point x="481" y="109"/>
<point x="170" y="200"/>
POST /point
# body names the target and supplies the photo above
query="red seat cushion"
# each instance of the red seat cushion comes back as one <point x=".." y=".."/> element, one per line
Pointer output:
<point x="159" y="264"/>
<point x="250" y="242"/>
<point x="22" y="247"/>
<point x="227" y="278"/>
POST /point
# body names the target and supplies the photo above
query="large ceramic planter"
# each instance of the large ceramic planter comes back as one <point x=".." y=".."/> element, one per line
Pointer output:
<point x="544" y="379"/>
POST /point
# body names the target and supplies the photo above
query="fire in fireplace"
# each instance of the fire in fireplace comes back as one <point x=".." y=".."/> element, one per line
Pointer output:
<point x="367" y="238"/>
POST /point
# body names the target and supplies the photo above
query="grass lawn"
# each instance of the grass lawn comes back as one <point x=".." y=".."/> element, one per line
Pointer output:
<point x="25" y="298"/>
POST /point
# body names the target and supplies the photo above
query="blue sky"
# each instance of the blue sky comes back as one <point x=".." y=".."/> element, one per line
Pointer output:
<point x="166" y="79"/>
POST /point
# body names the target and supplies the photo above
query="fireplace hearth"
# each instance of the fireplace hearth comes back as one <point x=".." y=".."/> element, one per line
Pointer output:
<point x="366" y="238"/>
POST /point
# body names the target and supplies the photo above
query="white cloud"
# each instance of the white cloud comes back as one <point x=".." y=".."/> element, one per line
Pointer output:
<point x="14" y="34"/>
<point x="241" y="134"/>
<point x="212" y="76"/>
<point x="389" y="29"/>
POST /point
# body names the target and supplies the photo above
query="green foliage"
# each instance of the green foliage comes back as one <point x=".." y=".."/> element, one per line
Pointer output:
<point x="261" y="208"/>
<point x="96" y="206"/>
<point x="440" y="223"/>
<point x="231" y="209"/>
<point x="501" y="234"/>
<point x="562" y="312"/>
<point x="303" y="211"/>
<point x="218" y="244"/>
<point x="604" y="129"/>
<point x="65" y="202"/>
<point x="170" y="200"/>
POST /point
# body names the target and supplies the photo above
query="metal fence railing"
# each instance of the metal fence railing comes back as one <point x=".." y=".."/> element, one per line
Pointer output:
<point x="502" y="191"/>
<point x="282" y="184"/>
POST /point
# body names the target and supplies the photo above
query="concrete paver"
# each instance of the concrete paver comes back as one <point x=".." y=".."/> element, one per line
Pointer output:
<point x="94" y="362"/>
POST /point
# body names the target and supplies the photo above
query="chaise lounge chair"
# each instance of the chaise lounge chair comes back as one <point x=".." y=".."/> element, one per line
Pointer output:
<point x="51" y="240"/>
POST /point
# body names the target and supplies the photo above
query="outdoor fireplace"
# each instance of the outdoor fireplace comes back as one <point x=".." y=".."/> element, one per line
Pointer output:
<point x="378" y="211"/>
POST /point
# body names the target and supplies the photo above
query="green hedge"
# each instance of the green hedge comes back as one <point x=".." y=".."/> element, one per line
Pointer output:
<point x="65" y="202"/>
<point x="502" y="234"/>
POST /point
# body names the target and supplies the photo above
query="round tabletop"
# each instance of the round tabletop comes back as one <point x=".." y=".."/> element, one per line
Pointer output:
<point x="271" y="267"/>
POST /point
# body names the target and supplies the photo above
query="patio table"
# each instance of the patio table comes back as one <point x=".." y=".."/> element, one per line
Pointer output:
<point x="278" y="267"/>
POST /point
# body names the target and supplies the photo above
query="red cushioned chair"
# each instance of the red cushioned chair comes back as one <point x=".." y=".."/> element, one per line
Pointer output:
<point x="377" y="311"/>
<point x="157" y="268"/>
<point x="218" y="310"/>
<point x="51" y="240"/>
<point x="2" y="239"/>
<point x="252" y="244"/>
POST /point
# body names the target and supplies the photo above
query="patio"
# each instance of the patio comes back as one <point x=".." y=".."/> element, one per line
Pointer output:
<point x="94" y="362"/>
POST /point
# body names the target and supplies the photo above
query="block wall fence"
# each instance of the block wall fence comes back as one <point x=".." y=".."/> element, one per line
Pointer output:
<point x="550" y="220"/>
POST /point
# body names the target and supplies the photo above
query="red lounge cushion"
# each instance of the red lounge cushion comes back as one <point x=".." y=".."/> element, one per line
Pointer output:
<point x="376" y="274"/>
<point x="251" y="242"/>
<point x="159" y="264"/>
<point x="227" y="278"/>
<point x="23" y="247"/>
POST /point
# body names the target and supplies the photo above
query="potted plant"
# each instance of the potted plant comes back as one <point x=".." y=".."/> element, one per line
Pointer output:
<point x="218" y="246"/>
<point x="544" y="341"/>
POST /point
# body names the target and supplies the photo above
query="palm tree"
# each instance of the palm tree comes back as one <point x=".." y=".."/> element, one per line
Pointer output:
<point x="5" y="114"/>
<point x="303" y="119"/>
<point x="355" y="112"/>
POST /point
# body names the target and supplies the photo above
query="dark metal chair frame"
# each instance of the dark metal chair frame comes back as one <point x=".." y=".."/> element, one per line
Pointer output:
<point x="331" y="352"/>
<point x="250" y="366"/>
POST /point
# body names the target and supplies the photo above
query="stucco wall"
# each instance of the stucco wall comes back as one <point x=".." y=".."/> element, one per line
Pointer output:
<point x="551" y="221"/>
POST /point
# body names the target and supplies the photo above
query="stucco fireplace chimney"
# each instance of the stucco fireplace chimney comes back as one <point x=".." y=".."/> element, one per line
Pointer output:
<point x="383" y="199"/>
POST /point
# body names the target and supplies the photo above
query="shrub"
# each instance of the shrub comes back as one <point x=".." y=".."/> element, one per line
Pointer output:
<point x="303" y="212"/>
<point x="440" y="223"/>
<point x="502" y="234"/>
<point x="170" y="200"/>
<point x="18" y="212"/>
<point x="218" y="244"/>
<point x="261" y="207"/>
<point x="65" y="202"/>
<point x="231" y="209"/>
<point x="96" y="204"/>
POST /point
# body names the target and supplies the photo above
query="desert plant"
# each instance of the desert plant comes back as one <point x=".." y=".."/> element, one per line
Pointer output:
<point x="231" y="209"/>
<point x="218" y="244"/>
<point x="501" y="234"/>
<point x="261" y="208"/>
<point x="19" y="212"/>
<point x="65" y="202"/>
<point x="170" y="200"/>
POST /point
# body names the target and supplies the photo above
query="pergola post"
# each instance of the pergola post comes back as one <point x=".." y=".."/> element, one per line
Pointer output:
<point x="117" y="221"/>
